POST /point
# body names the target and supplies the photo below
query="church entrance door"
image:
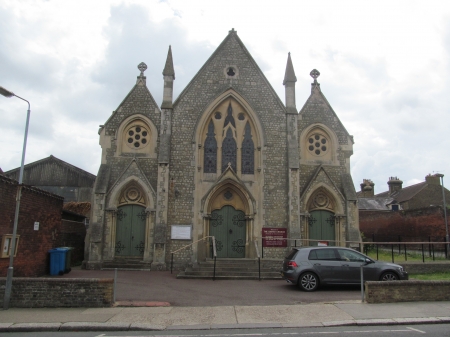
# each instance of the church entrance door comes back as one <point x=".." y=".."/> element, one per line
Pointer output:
<point x="228" y="226"/>
<point x="321" y="227"/>
<point x="130" y="231"/>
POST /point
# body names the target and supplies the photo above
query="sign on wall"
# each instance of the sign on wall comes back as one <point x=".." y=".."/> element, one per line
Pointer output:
<point x="272" y="237"/>
<point x="181" y="232"/>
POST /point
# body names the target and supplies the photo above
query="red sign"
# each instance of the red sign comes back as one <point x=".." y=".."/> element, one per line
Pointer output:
<point x="274" y="237"/>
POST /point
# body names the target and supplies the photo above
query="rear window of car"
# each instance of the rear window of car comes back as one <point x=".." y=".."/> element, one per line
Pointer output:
<point x="292" y="254"/>
<point x="322" y="254"/>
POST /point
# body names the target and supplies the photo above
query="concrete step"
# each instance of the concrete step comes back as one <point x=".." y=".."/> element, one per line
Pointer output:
<point x="126" y="264"/>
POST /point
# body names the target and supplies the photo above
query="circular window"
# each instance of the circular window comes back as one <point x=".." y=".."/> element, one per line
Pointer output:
<point x="241" y="116"/>
<point x="317" y="144"/>
<point x="218" y="115"/>
<point x="138" y="136"/>
<point x="231" y="71"/>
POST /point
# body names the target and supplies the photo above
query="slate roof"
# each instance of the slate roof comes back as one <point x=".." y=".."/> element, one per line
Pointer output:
<point x="406" y="193"/>
<point x="379" y="204"/>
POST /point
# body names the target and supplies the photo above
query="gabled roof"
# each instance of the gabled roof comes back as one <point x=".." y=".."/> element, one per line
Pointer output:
<point x="405" y="193"/>
<point x="52" y="159"/>
<point x="315" y="90"/>
<point x="140" y="85"/>
<point x="314" y="177"/>
<point x="232" y="34"/>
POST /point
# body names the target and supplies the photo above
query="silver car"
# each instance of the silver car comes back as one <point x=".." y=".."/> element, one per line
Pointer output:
<point x="310" y="267"/>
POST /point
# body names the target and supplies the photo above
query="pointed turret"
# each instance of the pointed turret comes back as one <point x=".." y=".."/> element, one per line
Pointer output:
<point x="169" y="77"/>
<point x="289" y="84"/>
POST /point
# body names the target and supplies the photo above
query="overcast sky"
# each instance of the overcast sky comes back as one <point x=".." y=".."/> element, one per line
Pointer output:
<point x="384" y="69"/>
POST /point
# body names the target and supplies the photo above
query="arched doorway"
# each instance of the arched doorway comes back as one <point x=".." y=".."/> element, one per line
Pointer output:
<point x="228" y="226"/>
<point x="130" y="231"/>
<point x="322" y="227"/>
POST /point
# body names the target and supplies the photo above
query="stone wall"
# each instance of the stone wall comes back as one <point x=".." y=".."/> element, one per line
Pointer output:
<point x="407" y="291"/>
<point x="57" y="293"/>
<point x="425" y="268"/>
<point x="35" y="206"/>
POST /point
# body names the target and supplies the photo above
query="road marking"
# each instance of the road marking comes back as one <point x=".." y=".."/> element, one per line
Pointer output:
<point x="408" y="329"/>
<point x="416" y="330"/>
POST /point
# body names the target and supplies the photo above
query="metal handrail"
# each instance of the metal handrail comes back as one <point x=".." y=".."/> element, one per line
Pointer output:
<point x="259" y="259"/>
<point x="187" y="246"/>
<point x="215" y="256"/>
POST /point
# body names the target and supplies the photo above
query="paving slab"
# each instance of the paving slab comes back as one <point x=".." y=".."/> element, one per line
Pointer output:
<point x="169" y="316"/>
<point x="55" y="315"/>
<point x="398" y="310"/>
<point x="290" y="313"/>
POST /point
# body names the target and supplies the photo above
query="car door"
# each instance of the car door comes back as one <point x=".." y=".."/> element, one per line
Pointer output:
<point x="326" y="263"/>
<point x="350" y="266"/>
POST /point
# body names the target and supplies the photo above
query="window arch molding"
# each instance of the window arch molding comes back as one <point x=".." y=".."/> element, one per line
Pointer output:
<point x="130" y="123"/>
<point x="324" y="136"/>
<point x="209" y="114"/>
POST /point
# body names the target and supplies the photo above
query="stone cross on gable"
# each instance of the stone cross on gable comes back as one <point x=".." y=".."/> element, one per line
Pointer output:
<point x="142" y="67"/>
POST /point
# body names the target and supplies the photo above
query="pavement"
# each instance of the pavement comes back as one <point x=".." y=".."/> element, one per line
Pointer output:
<point x="151" y="312"/>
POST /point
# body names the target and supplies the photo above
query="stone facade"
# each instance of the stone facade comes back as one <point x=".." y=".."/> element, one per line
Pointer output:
<point x="227" y="152"/>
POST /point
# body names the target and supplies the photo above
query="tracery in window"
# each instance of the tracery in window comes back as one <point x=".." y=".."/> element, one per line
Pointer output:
<point x="137" y="136"/>
<point x="228" y="138"/>
<point x="248" y="152"/>
<point x="210" y="157"/>
<point x="229" y="151"/>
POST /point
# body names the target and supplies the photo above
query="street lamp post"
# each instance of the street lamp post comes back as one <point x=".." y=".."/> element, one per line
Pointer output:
<point x="440" y="175"/>
<point x="9" y="275"/>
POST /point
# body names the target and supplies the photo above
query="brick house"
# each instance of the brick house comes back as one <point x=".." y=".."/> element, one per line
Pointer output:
<point x="36" y="206"/>
<point x="226" y="158"/>
<point x="412" y="213"/>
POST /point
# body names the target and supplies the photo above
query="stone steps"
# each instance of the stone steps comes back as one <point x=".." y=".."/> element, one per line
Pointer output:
<point x="126" y="264"/>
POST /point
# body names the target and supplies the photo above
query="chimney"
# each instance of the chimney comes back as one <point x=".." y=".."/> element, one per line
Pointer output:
<point x="394" y="184"/>
<point x="433" y="179"/>
<point x="367" y="188"/>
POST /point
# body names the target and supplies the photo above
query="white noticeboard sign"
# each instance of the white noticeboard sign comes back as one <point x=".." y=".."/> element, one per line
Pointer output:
<point x="181" y="232"/>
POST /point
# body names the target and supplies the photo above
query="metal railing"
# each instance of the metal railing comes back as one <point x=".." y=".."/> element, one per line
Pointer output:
<point x="259" y="259"/>
<point x="193" y="243"/>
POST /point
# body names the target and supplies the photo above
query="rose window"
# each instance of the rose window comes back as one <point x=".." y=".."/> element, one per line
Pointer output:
<point x="137" y="136"/>
<point x="317" y="144"/>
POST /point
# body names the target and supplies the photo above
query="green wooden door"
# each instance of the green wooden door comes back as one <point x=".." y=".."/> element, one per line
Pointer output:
<point x="322" y="227"/>
<point x="227" y="225"/>
<point x="130" y="230"/>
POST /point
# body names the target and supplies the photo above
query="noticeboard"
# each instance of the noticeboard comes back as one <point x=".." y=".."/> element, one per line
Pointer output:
<point x="181" y="232"/>
<point x="274" y="237"/>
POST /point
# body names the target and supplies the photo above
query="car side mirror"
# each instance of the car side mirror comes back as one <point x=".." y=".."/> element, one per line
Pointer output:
<point x="367" y="261"/>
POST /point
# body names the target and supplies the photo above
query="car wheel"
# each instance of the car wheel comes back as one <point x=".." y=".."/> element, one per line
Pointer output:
<point x="389" y="276"/>
<point x="308" y="282"/>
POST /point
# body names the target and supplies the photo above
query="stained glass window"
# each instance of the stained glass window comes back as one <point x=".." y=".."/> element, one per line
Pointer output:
<point x="248" y="152"/>
<point x="229" y="151"/>
<point x="210" y="157"/>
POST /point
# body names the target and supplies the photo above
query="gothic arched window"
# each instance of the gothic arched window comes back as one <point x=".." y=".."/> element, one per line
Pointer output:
<point x="248" y="152"/>
<point x="229" y="151"/>
<point x="210" y="158"/>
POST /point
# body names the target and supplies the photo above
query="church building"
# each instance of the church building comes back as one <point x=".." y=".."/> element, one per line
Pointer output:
<point x="228" y="159"/>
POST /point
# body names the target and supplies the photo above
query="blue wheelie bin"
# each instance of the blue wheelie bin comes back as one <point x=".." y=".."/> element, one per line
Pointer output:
<point x="57" y="261"/>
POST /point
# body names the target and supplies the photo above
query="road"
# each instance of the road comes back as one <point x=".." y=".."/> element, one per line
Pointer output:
<point x="366" y="331"/>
